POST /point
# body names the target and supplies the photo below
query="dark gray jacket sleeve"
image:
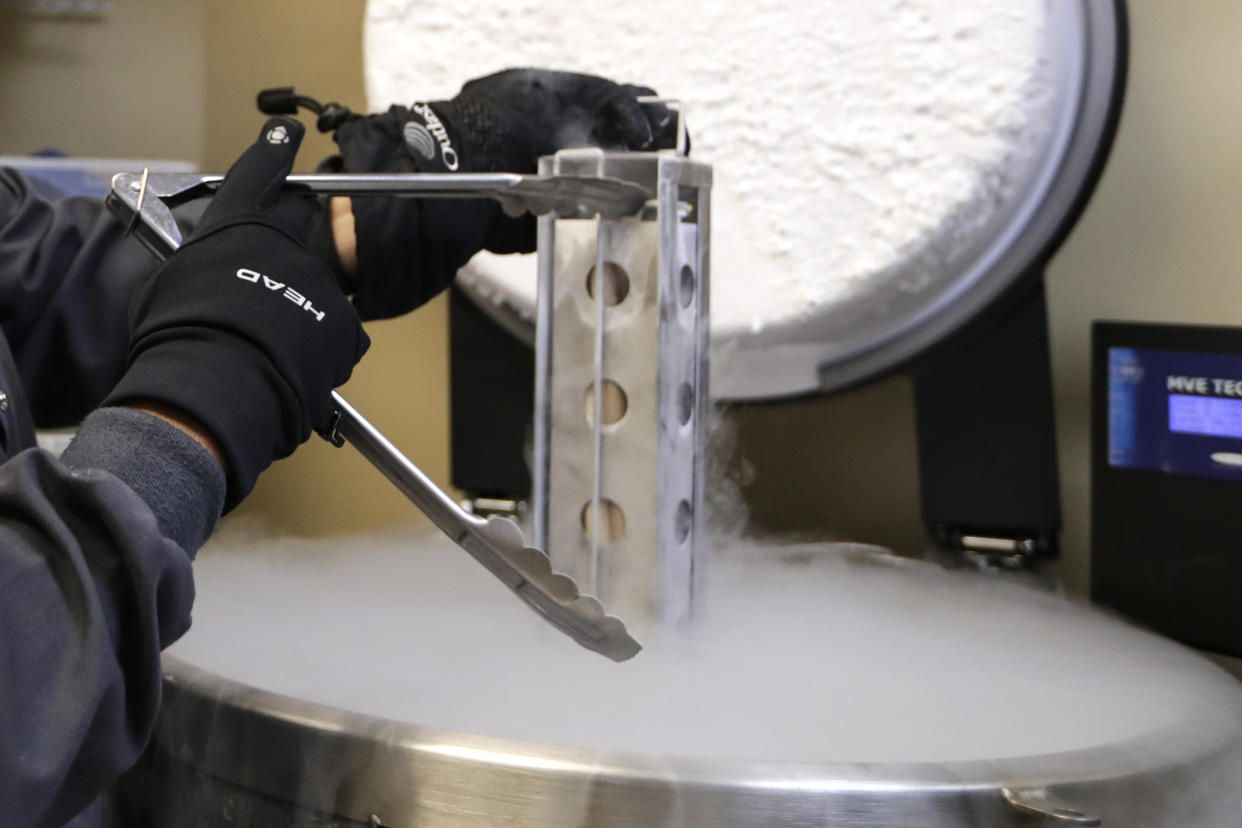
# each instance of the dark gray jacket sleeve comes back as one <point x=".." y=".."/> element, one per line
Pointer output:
<point x="95" y="548"/>
<point x="95" y="580"/>
<point x="67" y="273"/>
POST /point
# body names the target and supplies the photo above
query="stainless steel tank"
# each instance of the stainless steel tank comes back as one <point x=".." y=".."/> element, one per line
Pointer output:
<point x="230" y="754"/>
<point x="1046" y="713"/>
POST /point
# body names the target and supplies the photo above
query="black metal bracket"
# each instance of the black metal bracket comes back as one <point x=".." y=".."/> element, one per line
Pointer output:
<point x="492" y="397"/>
<point x="987" y="438"/>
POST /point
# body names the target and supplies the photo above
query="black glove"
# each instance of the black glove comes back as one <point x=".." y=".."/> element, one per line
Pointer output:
<point x="243" y="329"/>
<point x="410" y="250"/>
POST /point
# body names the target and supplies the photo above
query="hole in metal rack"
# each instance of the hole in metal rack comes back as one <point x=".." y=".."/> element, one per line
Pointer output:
<point x="611" y="521"/>
<point x="682" y="522"/>
<point x="686" y="293"/>
<point x="613" y="405"/>
<point x="685" y="403"/>
<point x="616" y="283"/>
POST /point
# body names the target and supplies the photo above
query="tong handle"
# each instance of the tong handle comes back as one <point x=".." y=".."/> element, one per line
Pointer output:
<point x="143" y="201"/>
<point x="496" y="543"/>
<point x="345" y="424"/>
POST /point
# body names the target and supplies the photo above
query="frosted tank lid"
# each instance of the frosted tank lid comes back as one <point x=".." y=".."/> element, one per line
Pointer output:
<point x="803" y="654"/>
<point x="881" y="173"/>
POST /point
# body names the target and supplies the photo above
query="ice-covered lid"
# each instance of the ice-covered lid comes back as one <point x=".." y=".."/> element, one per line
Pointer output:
<point x="882" y="171"/>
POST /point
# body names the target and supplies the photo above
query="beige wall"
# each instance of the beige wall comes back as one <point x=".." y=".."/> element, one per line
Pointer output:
<point x="127" y="84"/>
<point x="1162" y="240"/>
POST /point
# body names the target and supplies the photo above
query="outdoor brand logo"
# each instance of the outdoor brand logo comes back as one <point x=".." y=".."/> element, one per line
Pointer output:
<point x="419" y="140"/>
<point x="278" y="135"/>
<point x="254" y="277"/>
<point x="435" y="130"/>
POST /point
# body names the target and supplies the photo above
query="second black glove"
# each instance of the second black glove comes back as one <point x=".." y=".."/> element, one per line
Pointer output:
<point x="409" y="250"/>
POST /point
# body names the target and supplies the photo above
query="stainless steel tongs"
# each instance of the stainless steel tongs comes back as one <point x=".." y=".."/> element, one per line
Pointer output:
<point x="144" y="202"/>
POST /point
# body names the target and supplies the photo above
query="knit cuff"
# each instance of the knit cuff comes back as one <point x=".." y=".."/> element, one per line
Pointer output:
<point x="171" y="471"/>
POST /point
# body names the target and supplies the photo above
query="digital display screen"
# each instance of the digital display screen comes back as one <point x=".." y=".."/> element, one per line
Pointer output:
<point x="1175" y="411"/>
<point x="1210" y="416"/>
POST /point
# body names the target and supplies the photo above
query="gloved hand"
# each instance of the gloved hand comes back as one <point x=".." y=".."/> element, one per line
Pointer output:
<point x="408" y="250"/>
<point x="242" y="328"/>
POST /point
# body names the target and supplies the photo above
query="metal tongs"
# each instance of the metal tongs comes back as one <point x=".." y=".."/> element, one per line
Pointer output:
<point x="145" y="203"/>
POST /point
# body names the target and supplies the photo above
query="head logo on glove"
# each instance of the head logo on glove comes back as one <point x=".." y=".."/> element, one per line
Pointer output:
<point x="278" y="135"/>
<point x="292" y="295"/>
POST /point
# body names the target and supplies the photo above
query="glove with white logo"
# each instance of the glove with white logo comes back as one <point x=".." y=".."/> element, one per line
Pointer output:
<point x="244" y="329"/>
<point x="409" y="250"/>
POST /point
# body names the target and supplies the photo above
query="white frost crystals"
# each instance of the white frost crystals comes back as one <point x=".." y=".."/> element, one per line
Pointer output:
<point x="855" y="142"/>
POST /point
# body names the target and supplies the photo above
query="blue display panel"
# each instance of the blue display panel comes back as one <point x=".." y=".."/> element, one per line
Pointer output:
<point x="1209" y="416"/>
<point x="1175" y="411"/>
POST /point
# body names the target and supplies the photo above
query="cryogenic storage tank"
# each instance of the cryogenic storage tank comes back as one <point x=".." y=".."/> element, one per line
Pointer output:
<point x="383" y="680"/>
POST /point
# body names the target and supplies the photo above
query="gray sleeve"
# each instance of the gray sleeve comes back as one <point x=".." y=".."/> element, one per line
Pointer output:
<point x="95" y="580"/>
